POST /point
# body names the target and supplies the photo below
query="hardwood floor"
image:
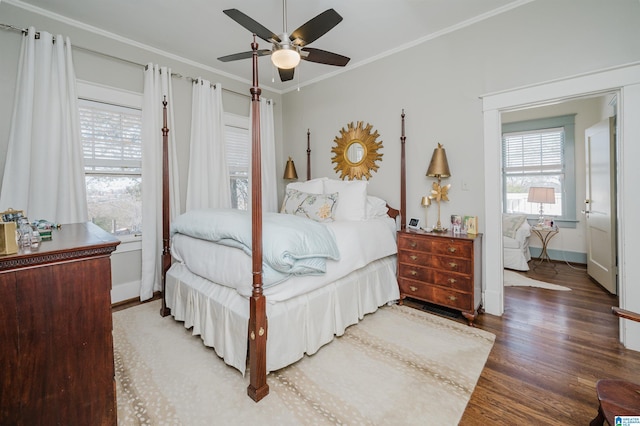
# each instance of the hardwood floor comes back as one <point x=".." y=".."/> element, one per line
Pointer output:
<point x="551" y="347"/>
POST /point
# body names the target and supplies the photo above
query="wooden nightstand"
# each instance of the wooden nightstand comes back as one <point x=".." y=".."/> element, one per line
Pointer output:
<point x="441" y="268"/>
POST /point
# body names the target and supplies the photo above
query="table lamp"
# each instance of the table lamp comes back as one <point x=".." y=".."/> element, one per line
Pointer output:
<point x="426" y="202"/>
<point x="542" y="195"/>
<point x="439" y="168"/>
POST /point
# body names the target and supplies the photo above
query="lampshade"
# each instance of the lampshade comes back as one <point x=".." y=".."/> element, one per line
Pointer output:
<point x="285" y="57"/>
<point x="426" y="201"/>
<point x="290" y="170"/>
<point x="539" y="194"/>
<point x="439" y="167"/>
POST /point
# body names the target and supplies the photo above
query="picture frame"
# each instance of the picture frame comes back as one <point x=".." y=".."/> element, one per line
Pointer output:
<point x="471" y="224"/>
<point x="456" y="223"/>
<point x="413" y="223"/>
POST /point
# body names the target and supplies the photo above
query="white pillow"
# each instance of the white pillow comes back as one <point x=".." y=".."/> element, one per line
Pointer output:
<point x="352" y="199"/>
<point x="313" y="186"/>
<point x="318" y="207"/>
<point x="511" y="223"/>
<point x="376" y="207"/>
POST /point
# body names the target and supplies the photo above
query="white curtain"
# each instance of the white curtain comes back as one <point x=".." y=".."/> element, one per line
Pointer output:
<point x="268" y="156"/>
<point x="44" y="170"/>
<point x="157" y="87"/>
<point x="208" y="184"/>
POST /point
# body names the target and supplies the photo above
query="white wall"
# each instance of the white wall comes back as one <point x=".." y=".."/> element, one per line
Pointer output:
<point x="439" y="84"/>
<point x="119" y="74"/>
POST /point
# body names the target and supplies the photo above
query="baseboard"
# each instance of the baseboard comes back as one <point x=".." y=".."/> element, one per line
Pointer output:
<point x="135" y="301"/>
<point x="125" y="292"/>
<point x="561" y="255"/>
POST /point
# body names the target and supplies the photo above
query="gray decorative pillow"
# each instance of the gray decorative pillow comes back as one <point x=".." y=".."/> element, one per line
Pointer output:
<point x="318" y="207"/>
<point x="511" y="223"/>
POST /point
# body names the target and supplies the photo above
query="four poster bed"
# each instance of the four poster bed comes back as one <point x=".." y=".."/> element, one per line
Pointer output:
<point x="305" y="298"/>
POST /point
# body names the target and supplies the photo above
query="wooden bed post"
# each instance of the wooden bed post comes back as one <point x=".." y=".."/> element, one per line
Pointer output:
<point x="308" y="155"/>
<point x="403" y="180"/>
<point x="166" y="250"/>
<point x="258" y="387"/>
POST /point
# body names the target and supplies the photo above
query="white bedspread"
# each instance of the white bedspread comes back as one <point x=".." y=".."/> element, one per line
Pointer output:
<point x="291" y="245"/>
<point x="359" y="243"/>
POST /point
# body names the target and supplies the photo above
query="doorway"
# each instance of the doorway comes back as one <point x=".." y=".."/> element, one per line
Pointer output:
<point x="625" y="79"/>
<point x="570" y="245"/>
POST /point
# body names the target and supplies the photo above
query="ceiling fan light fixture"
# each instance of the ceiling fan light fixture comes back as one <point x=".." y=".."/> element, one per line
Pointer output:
<point x="285" y="57"/>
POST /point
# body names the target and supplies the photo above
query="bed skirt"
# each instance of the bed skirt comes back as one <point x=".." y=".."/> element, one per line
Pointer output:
<point x="220" y="316"/>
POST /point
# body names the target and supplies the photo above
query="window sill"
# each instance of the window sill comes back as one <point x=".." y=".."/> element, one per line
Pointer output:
<point x="129" y="243"/>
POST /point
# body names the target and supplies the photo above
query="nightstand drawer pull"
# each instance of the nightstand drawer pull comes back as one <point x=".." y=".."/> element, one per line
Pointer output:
<point x="452" y="280"/>
<point x="413" y="244"/>
<point x="414" y="257"/>
<point x="413" y="288"/>
<point x="414" y="273"/>
<point x="453" y="265"/>
<point x="452" y="249"/>
<point x="453" y="298"/>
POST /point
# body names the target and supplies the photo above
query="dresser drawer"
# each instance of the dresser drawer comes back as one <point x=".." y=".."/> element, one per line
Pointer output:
<point x="420" y="258"/>
<point x="453" y="248"/>
<point x="455" y="281"/>
<point x="452" y="298"/>
<point x="451" y="264"/>
<point x="434" y="294"/>
<point x="412" y="243"/>
<point x="414" y="272"/>
<point x="434" y="277"/>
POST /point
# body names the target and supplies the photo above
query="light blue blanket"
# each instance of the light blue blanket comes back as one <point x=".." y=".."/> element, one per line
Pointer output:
<point x="291" y="245"/>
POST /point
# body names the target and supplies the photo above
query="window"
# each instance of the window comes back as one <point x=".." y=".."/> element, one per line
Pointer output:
<point x="237" y="137"/>
<point x="539" y="153"/>
<point x="111" y="135"/>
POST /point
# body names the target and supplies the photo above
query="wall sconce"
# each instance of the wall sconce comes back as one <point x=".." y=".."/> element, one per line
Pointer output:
<point x="439" y="168"/>
<point x="542" y="195"/>
<point x="426" y="202"/>
<point x="290" y="170"/>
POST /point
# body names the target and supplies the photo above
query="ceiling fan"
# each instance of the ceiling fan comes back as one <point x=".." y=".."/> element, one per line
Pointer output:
<point x="288" y="49"/>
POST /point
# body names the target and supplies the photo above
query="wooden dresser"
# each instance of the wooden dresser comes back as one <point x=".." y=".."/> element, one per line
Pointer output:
<point x="441" y="268"/>
<point x="56" y="352"/>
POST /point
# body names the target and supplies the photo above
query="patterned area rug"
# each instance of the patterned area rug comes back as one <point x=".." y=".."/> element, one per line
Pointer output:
<point x="399" y="365"/>
<point x="514" y="279"/>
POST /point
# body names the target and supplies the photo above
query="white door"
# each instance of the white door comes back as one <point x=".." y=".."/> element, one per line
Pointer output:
<point x="600" y="206"/>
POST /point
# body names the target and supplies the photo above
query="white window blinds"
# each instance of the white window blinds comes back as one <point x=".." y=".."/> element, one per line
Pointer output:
<point x="539" y="152"/>
<point x="111" y="138"/>
<point x="237" y="145"/>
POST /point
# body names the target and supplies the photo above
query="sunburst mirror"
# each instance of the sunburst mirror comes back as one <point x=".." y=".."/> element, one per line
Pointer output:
<point x="356" y="151"/>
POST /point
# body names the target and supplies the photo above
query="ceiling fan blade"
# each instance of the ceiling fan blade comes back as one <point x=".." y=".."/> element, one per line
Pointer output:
<point x="252" y="25"/>
<point x="286" y="75"/>
<point x="316" y="27"/>
<point x="243" y="55"/>
<point x="323" y="57"/>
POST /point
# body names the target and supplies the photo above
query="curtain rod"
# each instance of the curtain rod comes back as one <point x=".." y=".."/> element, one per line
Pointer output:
<point x="25" y="31"/>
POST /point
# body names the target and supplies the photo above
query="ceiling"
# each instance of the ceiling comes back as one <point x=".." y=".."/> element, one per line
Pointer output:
<point x="197" y="31"/>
